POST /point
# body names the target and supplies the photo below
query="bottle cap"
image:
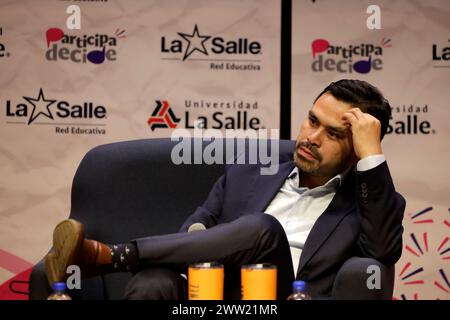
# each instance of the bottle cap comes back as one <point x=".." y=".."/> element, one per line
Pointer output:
<point x="59" y="286"/>
<point x="299" y="286"/>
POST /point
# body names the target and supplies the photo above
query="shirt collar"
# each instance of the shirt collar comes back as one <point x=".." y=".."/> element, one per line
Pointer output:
<point x="333" y="183"/>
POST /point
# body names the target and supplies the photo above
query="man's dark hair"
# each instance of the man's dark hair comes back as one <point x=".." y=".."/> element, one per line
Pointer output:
<point x="362" y="95"/>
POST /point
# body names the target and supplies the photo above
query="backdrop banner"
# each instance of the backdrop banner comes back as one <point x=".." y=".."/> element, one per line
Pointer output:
<point x="135" y="69"/>
<point x="408" y="59"/>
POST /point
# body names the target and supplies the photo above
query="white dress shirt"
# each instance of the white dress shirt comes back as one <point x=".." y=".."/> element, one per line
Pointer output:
<point x="298" y="208"/>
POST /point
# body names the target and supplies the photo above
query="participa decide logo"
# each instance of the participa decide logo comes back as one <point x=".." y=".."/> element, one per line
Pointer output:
<point x="96" y="48"/>
<point x="361" y="58"/>
<point x="3" y="52"/>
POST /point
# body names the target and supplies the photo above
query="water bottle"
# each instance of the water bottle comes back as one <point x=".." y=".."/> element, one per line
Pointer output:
<point x="299" y="291"/>
<point x="59" y="289"/>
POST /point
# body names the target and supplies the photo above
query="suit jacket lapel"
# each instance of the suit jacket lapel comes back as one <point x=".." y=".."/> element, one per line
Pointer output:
<point x="343" y="202"/>
<point x="265" y="188"/>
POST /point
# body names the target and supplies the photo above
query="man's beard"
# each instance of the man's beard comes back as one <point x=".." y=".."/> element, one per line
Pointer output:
<point x="307" y="165"/>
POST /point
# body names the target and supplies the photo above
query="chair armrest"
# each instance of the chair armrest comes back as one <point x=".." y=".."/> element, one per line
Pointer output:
<point x="91" y="289"/>
<point x="39" y="288"/>
<point x="351" y="280"/>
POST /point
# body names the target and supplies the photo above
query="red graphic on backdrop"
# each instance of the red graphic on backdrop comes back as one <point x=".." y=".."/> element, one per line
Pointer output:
<point x="162" y="116"/>
<point x="19" y="282"/>
<point x="418" y="246"/>
<point x="53" y="35"/>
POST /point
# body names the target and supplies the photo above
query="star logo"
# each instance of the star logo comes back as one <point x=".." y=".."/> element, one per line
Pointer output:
<point x="40" y="106"/>
<point x="196" y="42"/>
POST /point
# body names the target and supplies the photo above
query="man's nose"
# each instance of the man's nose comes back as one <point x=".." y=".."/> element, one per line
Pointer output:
<point x="315" y="137"/>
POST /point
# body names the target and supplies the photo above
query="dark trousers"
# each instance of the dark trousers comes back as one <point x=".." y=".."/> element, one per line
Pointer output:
<point x="253" y="238"/>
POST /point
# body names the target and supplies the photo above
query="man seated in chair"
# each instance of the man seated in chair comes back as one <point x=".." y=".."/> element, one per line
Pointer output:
<point x="333" y="201"/>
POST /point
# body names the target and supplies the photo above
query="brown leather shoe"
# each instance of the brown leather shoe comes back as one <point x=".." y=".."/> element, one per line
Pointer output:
<point x="71" y="248"/>
<point x="67" y="242"/>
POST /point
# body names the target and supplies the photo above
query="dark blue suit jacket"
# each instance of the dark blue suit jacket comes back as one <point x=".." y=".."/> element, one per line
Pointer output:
<point x="364" y="218"/>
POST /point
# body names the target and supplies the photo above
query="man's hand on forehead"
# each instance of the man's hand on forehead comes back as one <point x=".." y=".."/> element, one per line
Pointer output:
<point x="366" y="132"/>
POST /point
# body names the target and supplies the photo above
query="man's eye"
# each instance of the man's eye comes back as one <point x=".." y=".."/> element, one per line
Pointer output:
<point x="332" y="134"/>
<point x="313" y="121"/>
